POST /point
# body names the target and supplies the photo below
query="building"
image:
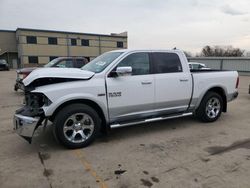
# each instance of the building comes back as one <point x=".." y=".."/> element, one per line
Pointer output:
<point x="33" y="47"/>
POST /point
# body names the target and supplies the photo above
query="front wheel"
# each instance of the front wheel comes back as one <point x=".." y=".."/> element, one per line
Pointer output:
<point x="16" y="87"/>
<point x="76" y="125"/>
<point x="210" y="107"/>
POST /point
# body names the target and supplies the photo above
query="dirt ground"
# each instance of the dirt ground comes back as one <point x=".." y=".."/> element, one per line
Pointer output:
<point x="173" y="153"/>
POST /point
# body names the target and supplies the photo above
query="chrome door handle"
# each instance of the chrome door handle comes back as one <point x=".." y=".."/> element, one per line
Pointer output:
<point x="183" y="80"/>
<point x="146" y="82"/>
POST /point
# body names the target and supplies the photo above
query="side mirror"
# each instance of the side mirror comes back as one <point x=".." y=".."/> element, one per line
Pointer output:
<point x="122" y="71"/>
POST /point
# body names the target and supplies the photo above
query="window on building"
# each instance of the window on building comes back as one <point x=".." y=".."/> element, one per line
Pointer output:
<point x="33" y="59"/>
<point x="31" y="40"/>
<point x="52" y="40"/>
<point x="85" y="42"/>
<point x="119" y="44"/>
<point x="139" y="63"/>
<point x="52" y="57"/>
<point x="166" y="62"/>
<point x="73" y="42"/>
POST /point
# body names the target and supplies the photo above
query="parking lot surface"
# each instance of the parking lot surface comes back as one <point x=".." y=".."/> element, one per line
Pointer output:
<point x="173" y="153"/>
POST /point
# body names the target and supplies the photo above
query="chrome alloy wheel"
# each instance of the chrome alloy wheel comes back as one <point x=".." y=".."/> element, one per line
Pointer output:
<point x="78" y="127"/>
<point x="213" y="107"/>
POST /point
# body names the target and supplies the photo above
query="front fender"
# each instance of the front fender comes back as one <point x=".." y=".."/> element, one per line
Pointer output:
<point x="100" y="101"/>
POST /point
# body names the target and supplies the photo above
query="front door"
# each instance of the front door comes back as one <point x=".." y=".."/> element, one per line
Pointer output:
<point x="131" y="96"/>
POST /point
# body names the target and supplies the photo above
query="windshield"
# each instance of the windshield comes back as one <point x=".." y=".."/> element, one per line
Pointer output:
<point x="51" y="63"/>
<point x="101" y="62"/>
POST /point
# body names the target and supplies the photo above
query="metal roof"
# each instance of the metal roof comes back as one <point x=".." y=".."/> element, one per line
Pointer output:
<point x="68" y="32"/>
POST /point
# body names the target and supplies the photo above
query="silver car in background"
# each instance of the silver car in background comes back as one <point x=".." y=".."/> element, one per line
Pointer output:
<point x="197" y="66"/>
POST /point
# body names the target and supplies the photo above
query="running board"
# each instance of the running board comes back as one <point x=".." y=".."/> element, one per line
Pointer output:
<point x="113" y="126"/>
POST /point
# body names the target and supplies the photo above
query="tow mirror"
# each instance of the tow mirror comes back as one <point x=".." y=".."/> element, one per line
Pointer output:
<point x="122" y="71"/>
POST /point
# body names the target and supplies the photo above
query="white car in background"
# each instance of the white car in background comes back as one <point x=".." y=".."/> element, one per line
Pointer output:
<point x="197" y="66"/>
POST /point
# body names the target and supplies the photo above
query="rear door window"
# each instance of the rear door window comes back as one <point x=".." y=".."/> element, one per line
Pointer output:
<point x="164" y="62"/>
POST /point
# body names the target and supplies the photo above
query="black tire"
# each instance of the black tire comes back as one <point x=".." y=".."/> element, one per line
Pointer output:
<point x="203" y="113"/>
<point x="15" y="87"/>
<point x="64" y="115"/>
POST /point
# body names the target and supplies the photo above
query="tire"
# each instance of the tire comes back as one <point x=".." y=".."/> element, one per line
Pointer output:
<point x="15" y="87"/>
<point x="76" y="125"/>
<point x="210" y="107"/>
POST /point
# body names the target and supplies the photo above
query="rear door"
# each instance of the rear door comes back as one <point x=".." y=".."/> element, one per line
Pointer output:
<point x="131" y="96"/>
<point x="173" y="87"/>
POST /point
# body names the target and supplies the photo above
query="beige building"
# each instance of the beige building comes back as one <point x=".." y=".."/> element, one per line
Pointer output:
<point x="33" y="47"/>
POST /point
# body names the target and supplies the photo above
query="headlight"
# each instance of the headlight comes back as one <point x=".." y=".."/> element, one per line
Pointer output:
<point x="36" y="100"/>
<point x="46" y="101"/>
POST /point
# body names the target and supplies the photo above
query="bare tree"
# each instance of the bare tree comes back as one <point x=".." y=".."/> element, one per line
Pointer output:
<point x="221" y="51"/>
<point x="188" y="54"/>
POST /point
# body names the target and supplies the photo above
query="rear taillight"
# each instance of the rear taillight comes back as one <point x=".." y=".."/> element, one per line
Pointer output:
<point x="237" y="82"/>
<point x="23" y="75"/>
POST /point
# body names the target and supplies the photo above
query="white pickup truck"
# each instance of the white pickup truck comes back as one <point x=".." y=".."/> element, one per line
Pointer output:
<point x="121" y="88"/>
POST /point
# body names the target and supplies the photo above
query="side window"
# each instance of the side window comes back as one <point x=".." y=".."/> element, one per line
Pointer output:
<point x="166" y="62"/>
<point x="196" y="66"/>
<point x="201" y="66"/>
<point x="52" y="57"/>
<point x="79" y="63"/>
<point x="138" y="61"/>
<point x="66" y="63"/>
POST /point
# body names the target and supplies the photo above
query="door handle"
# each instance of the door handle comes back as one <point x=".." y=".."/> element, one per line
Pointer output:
<point x="146" y="82"/>
<point x="183" y="80"/>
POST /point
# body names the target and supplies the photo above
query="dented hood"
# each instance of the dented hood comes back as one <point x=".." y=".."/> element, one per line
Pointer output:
<point x="71" y="73"/>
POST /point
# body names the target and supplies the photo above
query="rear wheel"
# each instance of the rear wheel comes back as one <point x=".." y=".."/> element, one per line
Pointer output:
<point x="76" y="125"/>
<point x="210" y="107"/>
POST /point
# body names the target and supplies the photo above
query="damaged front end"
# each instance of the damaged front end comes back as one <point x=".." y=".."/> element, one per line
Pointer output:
<point x="28" y="118"/>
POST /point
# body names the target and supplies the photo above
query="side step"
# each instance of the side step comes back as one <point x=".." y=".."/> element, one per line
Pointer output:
<point x="113" y="126"/>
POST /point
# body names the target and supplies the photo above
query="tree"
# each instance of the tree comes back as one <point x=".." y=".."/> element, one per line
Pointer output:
<point x="221" y="51"/>
<point x="188" y="54"/>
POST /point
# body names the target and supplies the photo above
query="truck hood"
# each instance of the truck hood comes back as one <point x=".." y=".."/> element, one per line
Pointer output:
<point x="57" y="73"/>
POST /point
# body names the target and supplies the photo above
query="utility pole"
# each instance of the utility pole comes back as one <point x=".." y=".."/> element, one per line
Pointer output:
<point x="68" y="50"/>
<point x="100" y="45"/>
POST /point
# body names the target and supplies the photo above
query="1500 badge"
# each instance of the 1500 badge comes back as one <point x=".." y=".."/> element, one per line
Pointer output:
<point x="115" y="94"/>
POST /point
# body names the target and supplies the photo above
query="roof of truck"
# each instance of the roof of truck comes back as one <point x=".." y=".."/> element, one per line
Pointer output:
<point x="147" y="50"/>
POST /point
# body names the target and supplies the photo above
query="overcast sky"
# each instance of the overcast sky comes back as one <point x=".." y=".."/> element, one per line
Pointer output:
<point x="162" y="24"/>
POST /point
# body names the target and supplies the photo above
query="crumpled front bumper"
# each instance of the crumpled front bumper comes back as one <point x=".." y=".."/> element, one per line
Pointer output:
<point x="25" y="126"/>
<point x="19" y="85"/>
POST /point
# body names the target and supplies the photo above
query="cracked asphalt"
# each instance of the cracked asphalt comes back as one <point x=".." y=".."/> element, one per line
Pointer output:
<point x="174" y="153"/>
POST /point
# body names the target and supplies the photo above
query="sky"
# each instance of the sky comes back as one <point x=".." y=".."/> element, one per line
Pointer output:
<point x="160" y="24"/>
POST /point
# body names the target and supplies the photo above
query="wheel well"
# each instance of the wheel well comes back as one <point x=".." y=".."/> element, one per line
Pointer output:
<point x="90" y="103"/>
<point x="221" y="92"/>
